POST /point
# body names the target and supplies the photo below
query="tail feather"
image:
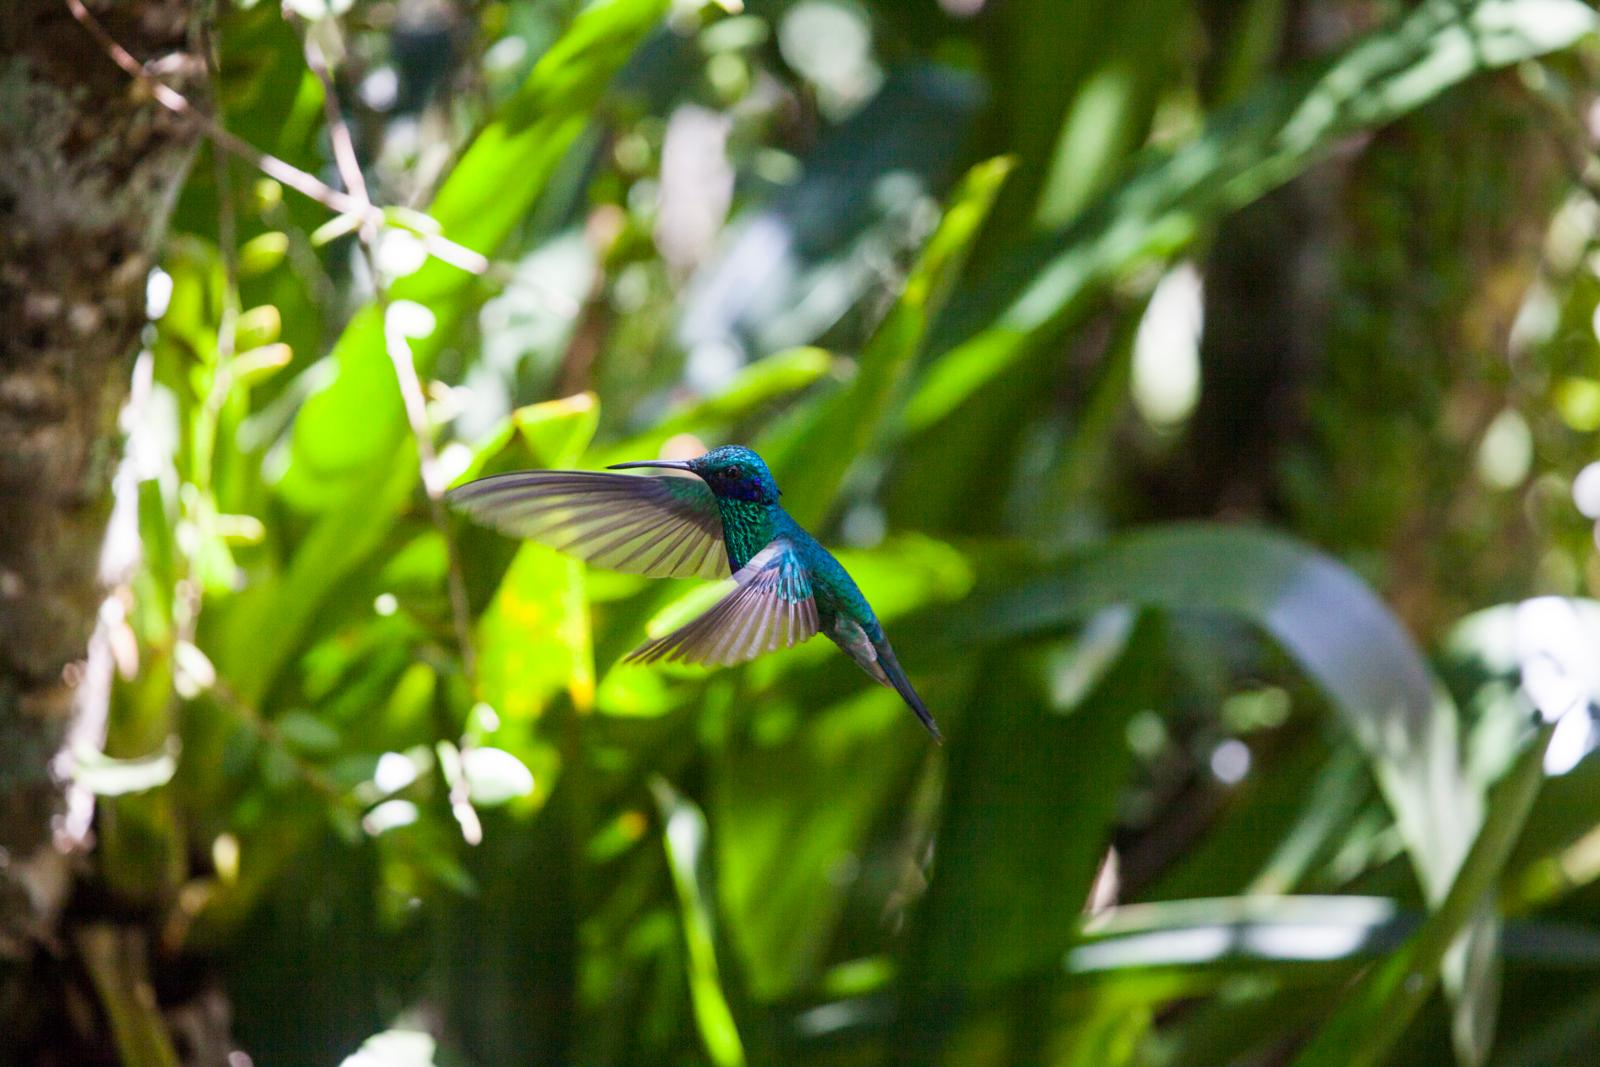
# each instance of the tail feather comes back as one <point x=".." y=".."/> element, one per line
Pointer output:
<point x="890" y="666"/>
<point x="871" y="651"/>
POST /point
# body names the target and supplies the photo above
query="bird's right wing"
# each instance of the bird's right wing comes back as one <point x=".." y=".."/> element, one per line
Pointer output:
<point x="770" y="607"/>
<point x="663" y="527"/>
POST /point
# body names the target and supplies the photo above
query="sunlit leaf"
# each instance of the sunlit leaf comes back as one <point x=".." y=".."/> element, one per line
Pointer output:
<point x="1324" y="616"/>
<point x="533" y="639"/>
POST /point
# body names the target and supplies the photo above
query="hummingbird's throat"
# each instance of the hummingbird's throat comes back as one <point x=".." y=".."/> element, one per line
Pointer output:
<point x="747" y="527"/>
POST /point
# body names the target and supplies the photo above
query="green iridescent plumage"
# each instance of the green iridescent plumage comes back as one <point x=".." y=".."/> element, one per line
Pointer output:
<point x="726" y="518"/>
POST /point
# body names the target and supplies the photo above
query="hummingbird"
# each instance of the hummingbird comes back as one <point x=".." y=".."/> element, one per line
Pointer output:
<point x="724" y="520"/>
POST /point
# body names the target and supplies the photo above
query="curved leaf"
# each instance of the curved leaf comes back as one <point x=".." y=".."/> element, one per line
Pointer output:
<point x="1323" y="615"/>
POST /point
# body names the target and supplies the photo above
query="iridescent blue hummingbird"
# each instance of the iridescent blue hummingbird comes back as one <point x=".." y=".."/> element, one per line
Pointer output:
<point x="787" y="587"/>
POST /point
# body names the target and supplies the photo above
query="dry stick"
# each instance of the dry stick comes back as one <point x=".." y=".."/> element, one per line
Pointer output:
<point x="398" y="348"/>
<point x="441" y="248"/>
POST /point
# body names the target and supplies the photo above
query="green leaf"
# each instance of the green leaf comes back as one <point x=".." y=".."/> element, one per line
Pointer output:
<point x="356" y="421"/>
<point x="266" y="624"/>
<point x="1243" y="153"/>
<point x="812" y="460"/>
<point x="685" y="841"/>
<point x="1031" y="797"/>
<point x="533" y="639"/>
<point x="1376" y="1012"/>
<point x="789" y="817"/>
<point x="309" y="734"/>
<point x="762" y="382"/>
<point x="120" y="972"/>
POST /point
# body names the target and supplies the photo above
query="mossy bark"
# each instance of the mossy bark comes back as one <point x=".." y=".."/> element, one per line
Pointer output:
<point x="90" y="165"/>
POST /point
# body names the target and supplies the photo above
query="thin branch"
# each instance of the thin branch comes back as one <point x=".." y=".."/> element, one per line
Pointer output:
<point x="440" y="247"/>
<point x="398" y="346"/>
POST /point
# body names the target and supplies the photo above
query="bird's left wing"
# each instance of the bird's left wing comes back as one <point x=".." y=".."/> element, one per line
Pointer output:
<point x="664" y="527"/>
<point x="770" y="607"/>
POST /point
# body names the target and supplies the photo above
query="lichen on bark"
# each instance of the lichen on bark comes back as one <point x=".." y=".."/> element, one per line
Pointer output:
<point x="90" y="164"/>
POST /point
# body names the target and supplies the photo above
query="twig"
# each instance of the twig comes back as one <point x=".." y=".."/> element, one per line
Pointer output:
<point x="398" y="346"/>
<point x="438" y="246"/>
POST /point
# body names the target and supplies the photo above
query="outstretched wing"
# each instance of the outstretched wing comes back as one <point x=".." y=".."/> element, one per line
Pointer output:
<point x="771" y="607"/>
<point x="664" y="527"/>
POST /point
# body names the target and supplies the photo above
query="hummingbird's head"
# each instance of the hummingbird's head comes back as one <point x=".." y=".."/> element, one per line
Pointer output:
<point x="735" y="471"/>
<point x="732" y="471"/>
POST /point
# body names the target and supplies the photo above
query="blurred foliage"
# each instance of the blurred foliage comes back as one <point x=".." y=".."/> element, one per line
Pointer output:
<point x="983" y="281"/>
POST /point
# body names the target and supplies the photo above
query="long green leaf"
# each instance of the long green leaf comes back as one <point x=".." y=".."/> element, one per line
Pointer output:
<point x="1323" y="615"/>
<point x="1245" y="152"/>
<point x="813" y="462"/>
<point x="685" y="841"/>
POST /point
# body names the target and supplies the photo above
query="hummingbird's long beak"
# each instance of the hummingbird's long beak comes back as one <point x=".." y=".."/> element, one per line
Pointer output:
<point x="670" y="464"/>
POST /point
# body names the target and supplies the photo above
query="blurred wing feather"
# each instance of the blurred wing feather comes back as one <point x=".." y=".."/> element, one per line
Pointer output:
<point x="770" y="607"/>
<point x="663" y="527"/>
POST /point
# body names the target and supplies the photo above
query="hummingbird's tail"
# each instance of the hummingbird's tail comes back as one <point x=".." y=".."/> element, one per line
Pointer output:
<point x="890" y="666"/>
<point x="870" y="649"/>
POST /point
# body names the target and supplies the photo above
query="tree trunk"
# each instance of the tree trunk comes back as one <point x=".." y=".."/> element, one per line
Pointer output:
<point x="90" y="165"/>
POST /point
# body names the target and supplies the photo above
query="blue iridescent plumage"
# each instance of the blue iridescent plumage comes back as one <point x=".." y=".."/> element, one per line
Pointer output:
<point x="726" y="518"/>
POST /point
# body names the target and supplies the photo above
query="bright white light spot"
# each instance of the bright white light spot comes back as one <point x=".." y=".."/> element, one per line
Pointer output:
<point x="495" y="776"/>
<point x="1536" y="319"/>
<point x="830" y="45"/>
<point x="1230" y="761"/>
<point x="454" y="459"/>
<point x="380" y="89"/>
<point x="712" y="365"/>
<point x="157" y="294"/>
<point x="696" y="185"/>
<point x="1586" y="491"/>
<point x="400" y="254"/>
<point x="385" y="604"/>
<point x="1166" y="350"/>
<point x="389" y="815"/>
<point x="225" y="857"/>
<point x="505" y="55"/>
<point x="394" y="772"/>
<point x="1572" y="740"/>
<point x="1308" y="941"/>
<point x="408" y="318"/>
<point x="487" y="717"/>
<point x="1556" y="649"/>
<point x="1506" y="455"/>
<point x="394" y="1048"/>
<point x="193" y="672"/>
